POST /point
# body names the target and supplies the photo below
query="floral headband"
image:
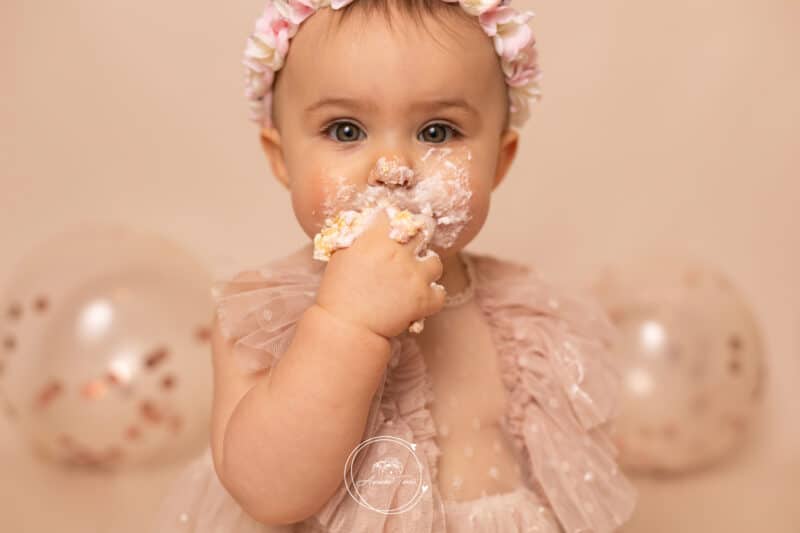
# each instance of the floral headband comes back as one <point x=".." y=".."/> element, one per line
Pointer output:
<point x="513" y="40"/>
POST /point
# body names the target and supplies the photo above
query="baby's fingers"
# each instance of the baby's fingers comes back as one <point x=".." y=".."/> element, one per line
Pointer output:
<point x="378" y="226"/>
<point x="436" y="298"/>
<point x="431" y="265"/>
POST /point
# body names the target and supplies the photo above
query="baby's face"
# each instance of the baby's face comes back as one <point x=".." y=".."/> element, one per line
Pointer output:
<point x="364" y="112"/>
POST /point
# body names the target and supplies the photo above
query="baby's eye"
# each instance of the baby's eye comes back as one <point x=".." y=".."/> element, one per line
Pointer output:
<point x="344" y="131"/>
<point x="437" y="133"/>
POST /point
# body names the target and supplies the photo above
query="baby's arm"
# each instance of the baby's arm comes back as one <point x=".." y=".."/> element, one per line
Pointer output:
<point x="280" y="441"/>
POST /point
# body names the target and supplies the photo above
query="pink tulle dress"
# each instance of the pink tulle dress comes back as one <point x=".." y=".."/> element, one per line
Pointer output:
<point x="556" y="389"/>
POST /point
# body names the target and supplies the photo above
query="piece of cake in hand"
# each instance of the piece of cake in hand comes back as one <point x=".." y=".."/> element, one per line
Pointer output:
<point x="342" y="230"/>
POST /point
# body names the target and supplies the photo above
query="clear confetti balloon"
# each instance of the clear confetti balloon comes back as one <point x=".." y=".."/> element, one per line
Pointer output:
<point x="105" y="348"/>
<point x="692" y="364"/>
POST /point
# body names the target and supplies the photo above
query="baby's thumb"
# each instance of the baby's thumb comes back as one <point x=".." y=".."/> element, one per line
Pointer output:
<point x="377" y="225"/>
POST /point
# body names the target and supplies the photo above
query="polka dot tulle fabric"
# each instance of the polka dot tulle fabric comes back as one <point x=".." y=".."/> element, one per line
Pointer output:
<point x="515" y="440"/>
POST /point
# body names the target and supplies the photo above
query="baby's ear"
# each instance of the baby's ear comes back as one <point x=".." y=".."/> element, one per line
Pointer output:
<point x="271" y="142"/>
<point x="505" y="156"/>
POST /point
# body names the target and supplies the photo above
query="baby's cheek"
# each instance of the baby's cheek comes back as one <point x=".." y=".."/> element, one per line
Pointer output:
<point x="336" y="192"/>
<point x="478" y="205"/>
<point x="325" y="194"/>
<point x="307" y="199"/>
<point x="481" y="193"/>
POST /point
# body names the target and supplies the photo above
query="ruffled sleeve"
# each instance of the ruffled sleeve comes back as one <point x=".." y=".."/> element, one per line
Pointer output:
<point x="259" y="308"/>
<point x="554" y="348"/>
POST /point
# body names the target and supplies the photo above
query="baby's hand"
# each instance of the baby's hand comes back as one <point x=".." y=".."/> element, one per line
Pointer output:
<point x="381" y="284"/>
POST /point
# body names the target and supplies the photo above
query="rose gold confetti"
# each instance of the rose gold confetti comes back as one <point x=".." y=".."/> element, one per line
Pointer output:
<point x="736" y="422"/>
<point x="722" y="282"/>
<point x="735" y="343"/>
<point x="10" y="411"/>
<point x="150" y="412"/>
<point x="692" y="278"/>
<point x="698" y="370"/>
<point x="48" y="393"/>
<point x="167" y="382"/>
<point x="758" y="389"/>
<point x="80" y="457"/>
<point x="15" y="311"/>
<point x="617" y="315"/>
<point x="202" y="333"/>
<point x="699" y="403"/>
<point x="114" y="454"/>
<point x="155" y="357"/>
<point x="133" y="433"/>
<point x="41" y="304"/>
<point x="76" y="453"/>
<point x="94" y="389"/>
<point x="175" y="423"/>
<point x="89" y="458"/>
<point x="9" y="343"/>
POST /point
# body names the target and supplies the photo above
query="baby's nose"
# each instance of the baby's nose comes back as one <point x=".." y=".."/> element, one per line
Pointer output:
<point x="392" y="171"/>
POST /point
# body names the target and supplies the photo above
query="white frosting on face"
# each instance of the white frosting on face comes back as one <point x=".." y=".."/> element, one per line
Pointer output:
<point x="433" y="198"/>
<point x="342" y="229"/>
<point x="390" y="171"/>
<point x="436" y="189"/>
<point x="341" y="193"/>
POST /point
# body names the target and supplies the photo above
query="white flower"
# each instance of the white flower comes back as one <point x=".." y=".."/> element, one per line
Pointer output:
<point x="268" y="45"/>
<point x="520" y="99"/>
<point x="257" y="84"/>
<point x="477" y="7"/>
<point x="295" y="11"/>
<point x="523" y="68"/>
<point x="261" y="54"/>
<point x="522" y="77"/>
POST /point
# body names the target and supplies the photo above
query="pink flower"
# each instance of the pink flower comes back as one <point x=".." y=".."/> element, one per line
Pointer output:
<point x="509" y="28"/>
<point x="257" y="84"/>
<point x="522" y="77"/>
<point x="520" y="105"/>
<point x="295" y="11"/>
<point x="268" y="45"/>
<point x="522" y="68"/>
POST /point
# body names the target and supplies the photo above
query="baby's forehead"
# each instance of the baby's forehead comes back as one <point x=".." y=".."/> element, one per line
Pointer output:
<point x="363" y="55"/>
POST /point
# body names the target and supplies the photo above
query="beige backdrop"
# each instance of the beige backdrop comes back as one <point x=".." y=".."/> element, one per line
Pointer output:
<point x="665" y="125"/>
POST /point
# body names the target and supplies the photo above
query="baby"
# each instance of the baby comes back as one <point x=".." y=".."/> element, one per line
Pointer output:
<point x="390" y="123"/>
